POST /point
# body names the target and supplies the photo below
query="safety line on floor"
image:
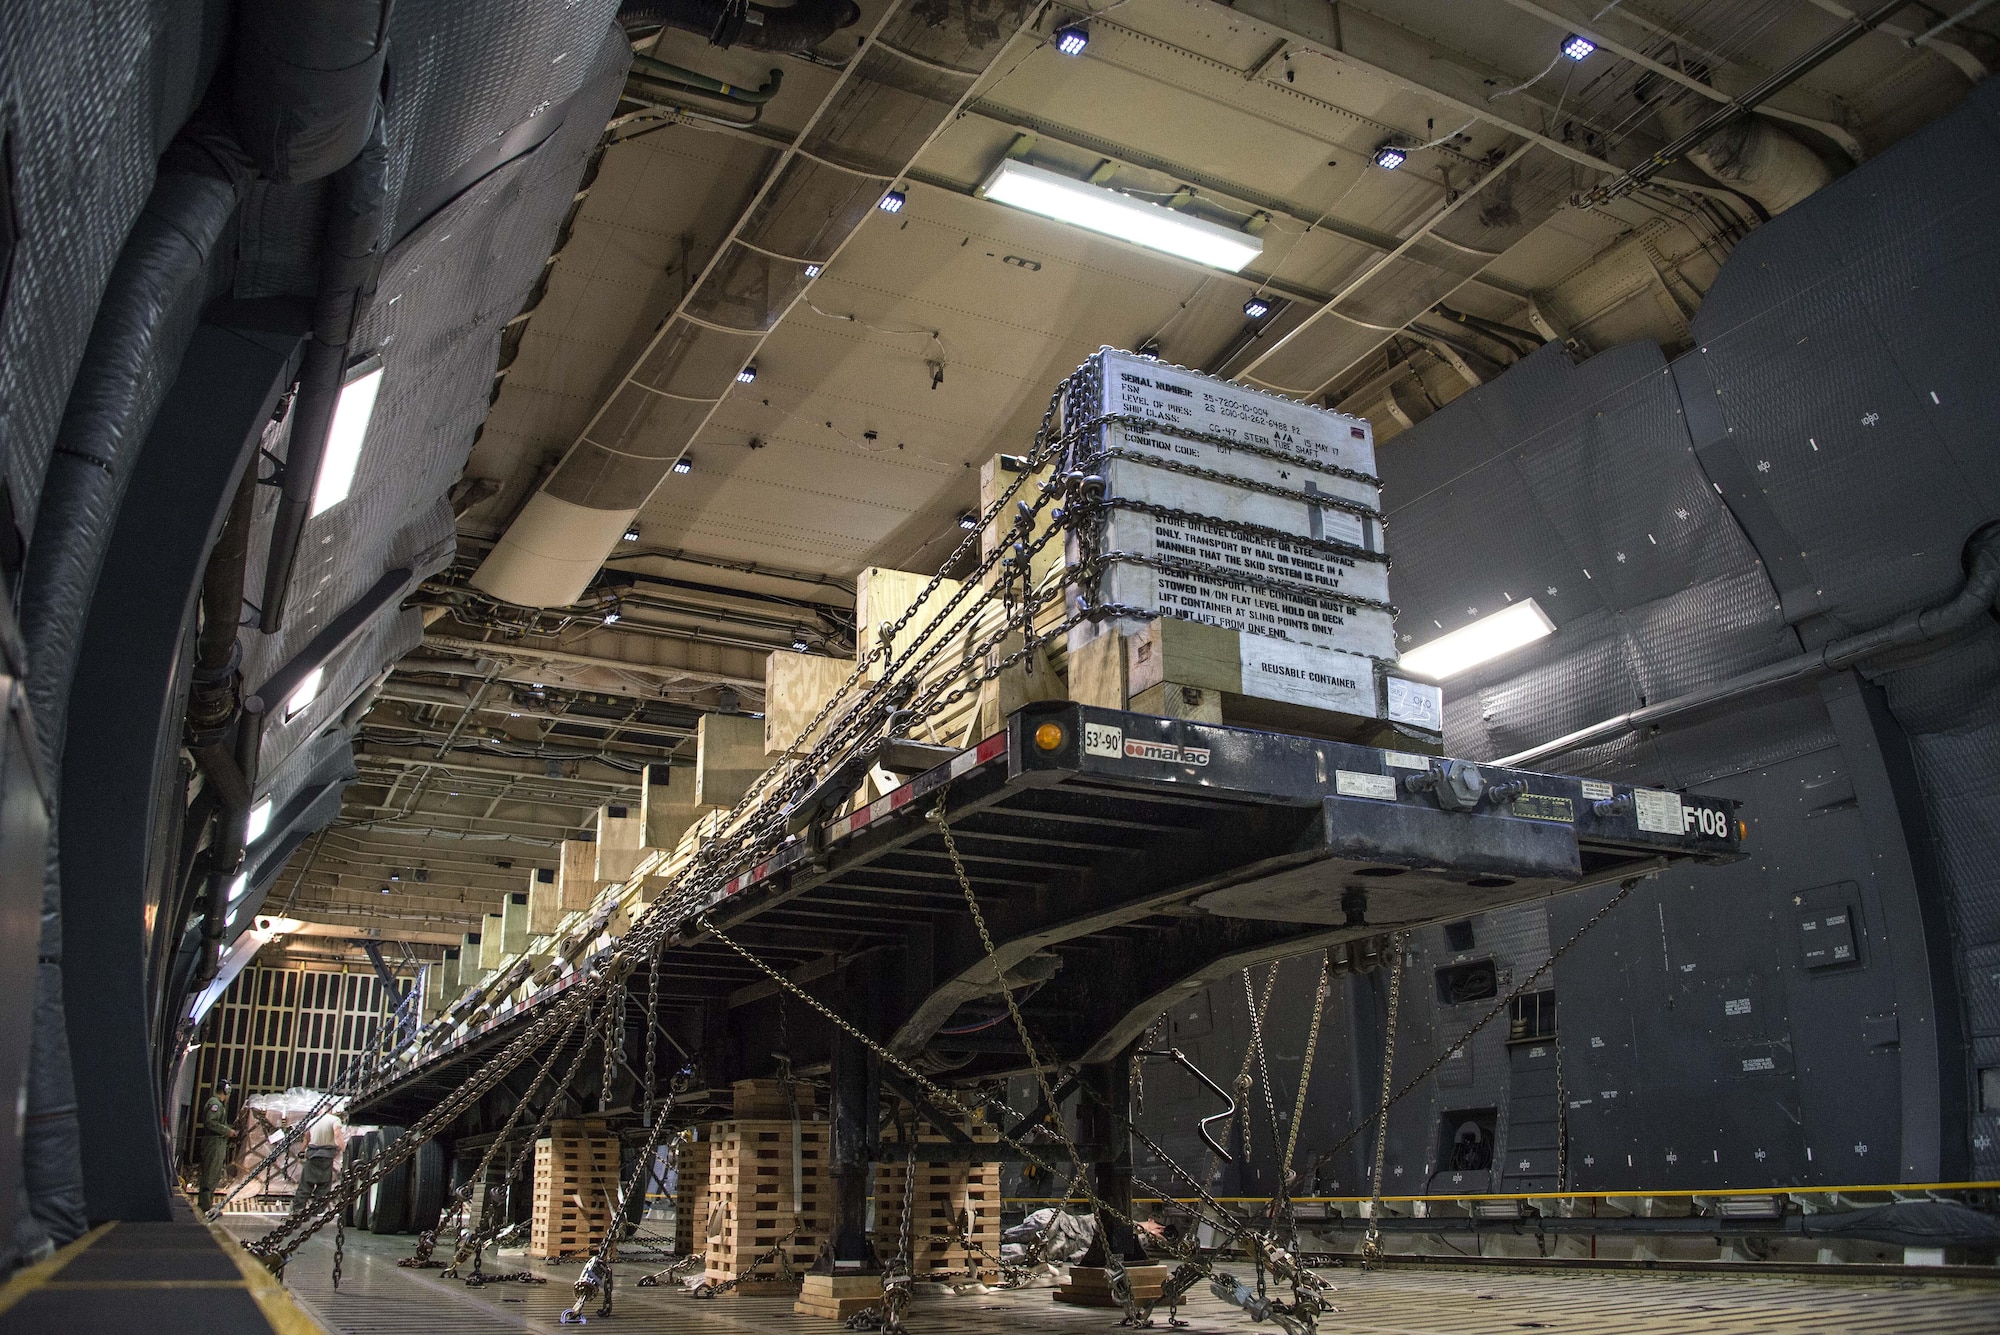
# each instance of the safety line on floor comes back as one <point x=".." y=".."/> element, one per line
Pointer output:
<point x="30" y="1278"/>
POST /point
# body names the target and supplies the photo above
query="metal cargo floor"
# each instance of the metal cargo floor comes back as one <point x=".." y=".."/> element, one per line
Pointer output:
<point x="171" y="1277"/>
<point x="377" y="1298"/>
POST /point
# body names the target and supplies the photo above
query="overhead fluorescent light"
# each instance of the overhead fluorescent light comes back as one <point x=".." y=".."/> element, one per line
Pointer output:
<point x="344" y="438"/>
<point x="260" y="821"/>
<point x="307" y="692"/>
<point x="237" y="889"/>
<point x="1578" y="47"/>
<point x="1484" y="640"/>
<point x="1097" y="209"/>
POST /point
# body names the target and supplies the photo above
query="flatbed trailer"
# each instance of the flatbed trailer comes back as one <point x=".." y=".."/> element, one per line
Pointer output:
<point x="1122" y="861"/>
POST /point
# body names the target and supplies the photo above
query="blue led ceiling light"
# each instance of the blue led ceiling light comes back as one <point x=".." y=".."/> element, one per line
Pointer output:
<point x="1578" y="47"/>
<point x="1071" y="38"/>
<point x="1256" y="308"/>
<point x="1389" y="157"/>
<point x="892" y="202"/>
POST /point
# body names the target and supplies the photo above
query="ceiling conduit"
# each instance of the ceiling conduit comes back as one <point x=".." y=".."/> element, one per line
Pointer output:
<point x="726" y="23"/>
<point x="906" y="82"/>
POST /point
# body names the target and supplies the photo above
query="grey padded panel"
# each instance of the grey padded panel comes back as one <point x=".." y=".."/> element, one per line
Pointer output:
<point x="90" y="93"/>
<point x="444" y="295"/>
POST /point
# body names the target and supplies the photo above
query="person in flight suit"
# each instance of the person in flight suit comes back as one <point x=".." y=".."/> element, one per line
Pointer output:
<point x="322" y="1147"/>
<point x="216" y="1132"/>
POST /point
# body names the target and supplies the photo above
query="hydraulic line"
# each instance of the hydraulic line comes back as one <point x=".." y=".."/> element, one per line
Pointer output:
<point x="1980" y="596"/>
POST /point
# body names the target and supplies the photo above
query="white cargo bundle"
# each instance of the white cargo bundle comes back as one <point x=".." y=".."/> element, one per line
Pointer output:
<point x="1213" y="511"/>
<point x="1141" y="390"/>
<point x="1252" y="513"/>
<point x="1272" y="586"/>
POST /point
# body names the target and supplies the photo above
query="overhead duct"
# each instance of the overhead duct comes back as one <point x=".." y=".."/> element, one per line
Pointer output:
<point x="1752" y="155"/>
<point x="305" y="78"/>
<point x="725" y="23"/>
<point x="908" y="79"/>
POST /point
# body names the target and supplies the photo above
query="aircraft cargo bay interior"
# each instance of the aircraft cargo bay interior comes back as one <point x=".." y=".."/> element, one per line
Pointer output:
<point x="969" y="666"/>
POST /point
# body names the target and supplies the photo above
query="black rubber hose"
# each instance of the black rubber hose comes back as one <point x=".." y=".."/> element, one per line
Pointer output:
<point x="151" y="305"/>
<point x="725" y="23"/>
<point x="350" y="260"/>
<point x="217" y="655"/>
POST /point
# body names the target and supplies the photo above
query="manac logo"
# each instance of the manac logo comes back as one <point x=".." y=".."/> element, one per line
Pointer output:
<point x="1166" y="752"/>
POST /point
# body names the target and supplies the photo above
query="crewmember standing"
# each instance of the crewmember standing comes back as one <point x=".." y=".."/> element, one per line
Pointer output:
<point x="322" y="1147"/>
<point x="217" y="1131"/>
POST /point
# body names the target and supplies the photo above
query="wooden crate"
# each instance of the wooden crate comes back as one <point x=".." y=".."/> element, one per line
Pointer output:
<point x="751" y="1204"/>
<point x="1184" y="669"/>
<point x="796" y="687"/>
<point x="621" y="840"/>
<point x="576" y="878"/>
<point x="691" y="1190"/>
<point x="576" y="1183"/>
<point x="946" y="1193"/>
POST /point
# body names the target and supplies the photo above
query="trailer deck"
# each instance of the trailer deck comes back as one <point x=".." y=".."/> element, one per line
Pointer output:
<point x="1146" y="855"/>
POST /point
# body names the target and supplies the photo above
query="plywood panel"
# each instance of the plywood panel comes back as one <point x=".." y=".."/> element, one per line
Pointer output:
<point x="621" y="841"/>
<point x="492" y="941"/>
<point x="576" y="878"/>
<point x="729" y="756"/>
<point x="796" y="688"/>
<point x="514" y="916"/>
<point x="545" y="910"/>
<point x="882" y="595"/>
<point x="667" y="806"/>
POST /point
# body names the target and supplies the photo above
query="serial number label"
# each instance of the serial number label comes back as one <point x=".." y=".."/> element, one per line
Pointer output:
<point x="1352" y="783"/>
<point x="1541" y="806"/>
<point x="1597" y="790"/>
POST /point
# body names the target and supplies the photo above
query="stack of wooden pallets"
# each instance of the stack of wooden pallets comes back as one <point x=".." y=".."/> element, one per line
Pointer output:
<point x="576" y="1183"/>
<point x="761" y="1195"/>
<point x="837" y="1297"/>
<point x="950" y="1197"/>
<point x="691" y="1190"/>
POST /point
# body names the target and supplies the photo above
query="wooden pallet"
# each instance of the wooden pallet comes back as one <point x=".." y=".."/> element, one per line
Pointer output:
<point x="1089" y="1286"/>
<point x="576" y="1180"/>
<point x="750" y="1203"/>
<point x="837" y="1297"/>
<point x="691" y="1190"/>
<point x="946" y="1194"/>
<point x="769" y="1101"/>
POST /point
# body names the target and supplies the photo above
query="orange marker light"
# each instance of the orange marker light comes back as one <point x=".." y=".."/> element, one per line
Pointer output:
<point x="1049" y="736"/>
